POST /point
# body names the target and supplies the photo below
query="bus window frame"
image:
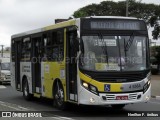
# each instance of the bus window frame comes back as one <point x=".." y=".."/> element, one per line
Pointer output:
<point x="49" y="47"/>
<point x="29" y="50"/>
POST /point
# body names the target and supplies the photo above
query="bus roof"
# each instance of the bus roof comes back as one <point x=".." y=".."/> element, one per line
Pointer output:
<point x="65" y="24"/>
<point x="54" y="26"/>
<point x="111" y="17"/>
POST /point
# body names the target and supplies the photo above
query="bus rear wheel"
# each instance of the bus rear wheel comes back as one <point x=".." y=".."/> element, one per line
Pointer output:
<point x="119" y="106"/>
<point x="26" y="93"/>
<point x="59" y="97"/>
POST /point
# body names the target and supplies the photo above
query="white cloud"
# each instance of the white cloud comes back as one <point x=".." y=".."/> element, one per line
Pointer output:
<point x="23" y="15"/>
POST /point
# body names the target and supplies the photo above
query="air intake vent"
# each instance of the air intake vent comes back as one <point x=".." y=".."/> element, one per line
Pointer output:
<point x="118" y="77"/>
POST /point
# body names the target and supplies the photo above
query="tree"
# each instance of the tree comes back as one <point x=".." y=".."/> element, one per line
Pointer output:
<point x="155" y="58"/>
<point x="148" y="12"/>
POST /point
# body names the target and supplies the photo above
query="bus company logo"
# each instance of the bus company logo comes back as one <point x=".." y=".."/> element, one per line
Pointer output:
<point x="107" y="87"/>
<point x="6" y="114"/>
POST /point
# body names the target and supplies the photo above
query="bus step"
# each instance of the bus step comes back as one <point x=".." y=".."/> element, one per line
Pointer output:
<point x="37" y="95"/>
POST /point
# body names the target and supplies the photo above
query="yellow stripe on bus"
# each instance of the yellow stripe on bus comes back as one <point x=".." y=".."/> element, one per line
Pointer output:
<point x="114" y="87"/>
<point x="60" y="25"/>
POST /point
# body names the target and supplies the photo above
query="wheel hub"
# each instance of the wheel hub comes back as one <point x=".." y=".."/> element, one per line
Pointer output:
<point x="59" y="96"/>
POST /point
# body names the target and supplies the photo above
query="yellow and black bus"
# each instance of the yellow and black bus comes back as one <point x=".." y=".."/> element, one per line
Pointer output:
<point x="95" y="60"/>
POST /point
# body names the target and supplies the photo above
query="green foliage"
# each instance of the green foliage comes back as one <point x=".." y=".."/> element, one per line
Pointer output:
<point x="155" y="53"/>
<point x="156" y="32"/>
<point x="148" y="12"/>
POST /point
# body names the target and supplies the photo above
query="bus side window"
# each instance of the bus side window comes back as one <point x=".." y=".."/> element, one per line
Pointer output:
<point x="58" y="46"/>
<point x="26" y="49"/>
<point x="13" y="51"/>
<point x="60" y="39"/>
<point x="55" y="46"/>
<point x="44" y="47"/>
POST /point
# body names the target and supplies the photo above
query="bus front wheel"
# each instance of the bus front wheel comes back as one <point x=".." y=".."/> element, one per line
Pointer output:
<point x="26" y="93"/>
<point x="59" y="97"/>
<point x="119" y="106"/>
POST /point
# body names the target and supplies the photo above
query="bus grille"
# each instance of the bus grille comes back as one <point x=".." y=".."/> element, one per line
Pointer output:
<point x="115" y="78"/>
<point x="132" y="96"/>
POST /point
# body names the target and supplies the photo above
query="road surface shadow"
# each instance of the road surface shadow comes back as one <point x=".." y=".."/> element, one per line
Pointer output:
<point x="74" y="110"/>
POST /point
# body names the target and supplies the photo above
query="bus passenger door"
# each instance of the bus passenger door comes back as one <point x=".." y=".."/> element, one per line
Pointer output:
<point x="17" y="64"/>
<point x="71" y="66"/>
<point x="36" y="65"/>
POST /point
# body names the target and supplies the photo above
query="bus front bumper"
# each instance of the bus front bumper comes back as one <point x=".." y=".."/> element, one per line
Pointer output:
<point x="88" y="98"/>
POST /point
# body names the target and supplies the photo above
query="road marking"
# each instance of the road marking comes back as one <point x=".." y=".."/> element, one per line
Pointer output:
<point x="23" y="108"/>
<point x="2" y="87"/>
<point x="13" y="106"/>
<point x="1" y="102"/>
<point x="154" y="102"/>
<point x="9" y="106"/>
<point x="20" y="108"/>
<point x="62" y="118"/>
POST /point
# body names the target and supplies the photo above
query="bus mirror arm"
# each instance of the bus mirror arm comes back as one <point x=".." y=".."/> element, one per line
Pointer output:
<point x="77" y="44"/>
<point x="82" y="46"/>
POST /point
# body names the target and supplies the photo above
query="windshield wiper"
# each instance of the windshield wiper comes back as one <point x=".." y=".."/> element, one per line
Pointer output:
<point x="129" y="42"/>
<point x="82" y="46"/>
<point x="100" y="36"/>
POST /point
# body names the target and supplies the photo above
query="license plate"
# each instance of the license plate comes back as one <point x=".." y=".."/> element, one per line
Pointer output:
<point x="121" y="97"/>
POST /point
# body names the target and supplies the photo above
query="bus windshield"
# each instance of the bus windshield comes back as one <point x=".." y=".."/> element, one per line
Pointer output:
<point x="114" y="53"/>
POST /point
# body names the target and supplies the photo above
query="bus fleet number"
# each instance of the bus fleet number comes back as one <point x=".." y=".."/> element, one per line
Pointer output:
<point x="135" y="86"/>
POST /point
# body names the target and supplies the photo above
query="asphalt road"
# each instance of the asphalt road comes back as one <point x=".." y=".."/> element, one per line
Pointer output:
<point x="11" y="100"/>
<point x="155" y="82"/>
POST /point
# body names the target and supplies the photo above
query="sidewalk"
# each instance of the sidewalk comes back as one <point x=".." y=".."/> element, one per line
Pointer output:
<point x="155" y="88"/>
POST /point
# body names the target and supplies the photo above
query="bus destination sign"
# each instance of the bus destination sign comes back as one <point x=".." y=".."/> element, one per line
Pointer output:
<point x="116" y="25"/>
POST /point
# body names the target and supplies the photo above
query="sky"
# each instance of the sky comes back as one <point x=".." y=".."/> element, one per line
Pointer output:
<point x="17" y="16"/>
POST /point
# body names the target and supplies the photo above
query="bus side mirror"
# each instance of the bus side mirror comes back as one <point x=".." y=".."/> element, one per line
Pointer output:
<point x="82" y="46"/>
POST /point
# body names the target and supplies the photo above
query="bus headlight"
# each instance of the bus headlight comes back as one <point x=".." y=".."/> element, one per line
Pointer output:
<point x="146" y="86"/>
<point x="85" y="85"/>
<point x="90" y="87"/>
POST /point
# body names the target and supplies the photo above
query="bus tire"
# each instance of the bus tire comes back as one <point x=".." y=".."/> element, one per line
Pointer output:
<point x="26" y="94"/>
<point x="119" y="106"/>
<point x="58" y="95"/>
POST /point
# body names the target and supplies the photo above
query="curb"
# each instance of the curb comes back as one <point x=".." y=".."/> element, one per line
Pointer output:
<point x="156" y="97"/>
